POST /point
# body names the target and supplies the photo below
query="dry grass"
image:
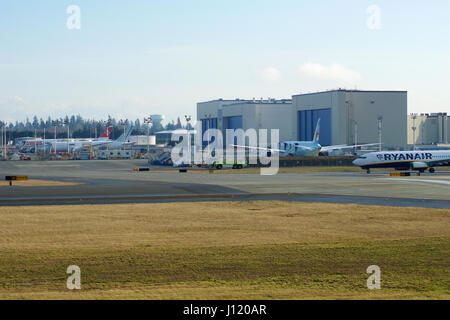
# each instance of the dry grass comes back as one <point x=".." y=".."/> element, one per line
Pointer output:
<point x="38" y="183"/>
<point x="232" y="250"/>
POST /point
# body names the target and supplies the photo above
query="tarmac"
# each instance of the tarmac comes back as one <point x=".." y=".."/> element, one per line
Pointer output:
<point x="108" y="182"/>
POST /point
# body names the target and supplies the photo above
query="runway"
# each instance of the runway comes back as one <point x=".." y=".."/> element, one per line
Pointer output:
<point x="114" y="182"/>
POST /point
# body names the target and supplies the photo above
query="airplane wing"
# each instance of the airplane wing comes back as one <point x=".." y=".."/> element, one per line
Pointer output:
<point x="346" y="146"/>
<point x="439" y="162"/>
<point x="257" y="148"/>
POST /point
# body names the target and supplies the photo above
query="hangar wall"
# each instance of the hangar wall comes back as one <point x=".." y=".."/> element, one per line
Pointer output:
<point x="431" y="129"/>
<point x="246" y="114"/>
<point x="341" y="112"/>
<point x="352" y="109"/>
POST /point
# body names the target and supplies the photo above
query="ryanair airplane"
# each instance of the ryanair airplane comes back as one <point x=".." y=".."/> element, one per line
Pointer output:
<point x="404" y="160"/>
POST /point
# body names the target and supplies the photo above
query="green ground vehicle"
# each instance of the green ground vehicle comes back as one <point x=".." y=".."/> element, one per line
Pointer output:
<point x="236" y="164"/>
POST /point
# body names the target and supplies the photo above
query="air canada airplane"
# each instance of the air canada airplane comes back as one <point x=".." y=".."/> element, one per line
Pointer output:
<point x="404" y="160"/>
<point x="304" y="148"/>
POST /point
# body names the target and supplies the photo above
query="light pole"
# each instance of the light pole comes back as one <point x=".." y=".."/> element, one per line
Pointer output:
<point x="67" y="122"/>
<point x="188" y="120"/>
<point x="356" y="133"/>
<point x="35" y="142"/>
<point x="380" y="127"/>
<point x="208" y="125"/>
<point x="44" y="141"/>
<point x="148" y="121"/>
<point x="122" y="123"/>
<point x="208" y="120"/>
<point x="4" y="141"/>
<point x="1" y="145"/>
<point x="414" y="132"/>
<point x="55" y="124"/>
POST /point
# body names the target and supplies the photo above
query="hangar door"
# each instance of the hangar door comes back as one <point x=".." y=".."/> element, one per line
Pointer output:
<point x="233" y="123"/>
<point x="307" y="121"/>
<point x="206" y="125"/>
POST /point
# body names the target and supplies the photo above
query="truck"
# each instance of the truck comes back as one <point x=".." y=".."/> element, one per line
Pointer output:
<point x="236" y="164"/>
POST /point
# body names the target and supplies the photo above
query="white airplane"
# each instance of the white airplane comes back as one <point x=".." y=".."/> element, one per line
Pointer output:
<point x="305" y="148"/>
<point x="61" y="144"/>
<point x="112" y="144"/>
<point x="75" y="145"/>
<point x="404" y="160"/>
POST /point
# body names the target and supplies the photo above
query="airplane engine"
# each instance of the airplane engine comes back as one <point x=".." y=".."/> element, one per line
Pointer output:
<point x="419" y="166"/>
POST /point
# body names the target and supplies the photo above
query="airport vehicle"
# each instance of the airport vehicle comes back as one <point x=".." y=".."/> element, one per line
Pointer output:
<point x="227" y="164"/>
<point x="304" y="148"/>
<point x="163" y="159"/>
<point x="404" y="160"/>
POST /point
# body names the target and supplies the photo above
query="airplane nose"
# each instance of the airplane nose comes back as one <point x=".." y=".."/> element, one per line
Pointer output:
<point x="357" y="162"/>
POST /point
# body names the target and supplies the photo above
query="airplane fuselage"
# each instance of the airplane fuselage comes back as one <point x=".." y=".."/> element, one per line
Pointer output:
<point x="299" y="148"/>
<point x="404" y="160"/>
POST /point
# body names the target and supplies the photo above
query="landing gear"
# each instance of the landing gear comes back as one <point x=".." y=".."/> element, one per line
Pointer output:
<point x="431" y="170"/>
<point x="368" y="171"/>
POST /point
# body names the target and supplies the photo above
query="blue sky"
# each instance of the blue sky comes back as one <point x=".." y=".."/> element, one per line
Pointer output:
<point x="135" y="58"/>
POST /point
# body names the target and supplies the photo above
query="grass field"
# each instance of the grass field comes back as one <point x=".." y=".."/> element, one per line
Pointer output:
<point x="226" y="250"/>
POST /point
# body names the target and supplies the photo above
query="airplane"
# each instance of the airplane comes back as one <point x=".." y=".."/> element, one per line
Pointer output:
<point x="111" y="144"/>
<point x="404" y="160"/>
<point x="75" y="145"/>
<point x="29" y="143"/>
<point x="304" y="148"/>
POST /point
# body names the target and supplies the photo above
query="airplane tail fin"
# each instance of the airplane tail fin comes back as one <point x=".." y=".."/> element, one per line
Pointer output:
<point x="316" y="133"/>
<point x="106" y="134"/>
<point x="124" y="137"/>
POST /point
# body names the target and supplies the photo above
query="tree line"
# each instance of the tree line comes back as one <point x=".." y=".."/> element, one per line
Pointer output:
<point x="81" y="128"/>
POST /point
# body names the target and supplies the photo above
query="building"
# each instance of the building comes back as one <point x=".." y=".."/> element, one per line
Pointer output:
<point x="245" y="114"/>
<point x="347" y="116"/>
<point x="143" y="140"/>
<point x="428" y="129"/>
<point x="165" y="137"/>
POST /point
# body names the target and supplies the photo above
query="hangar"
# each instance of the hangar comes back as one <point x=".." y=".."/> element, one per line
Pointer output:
<point x="429" y="129"/>
<point x="347" y="116"/>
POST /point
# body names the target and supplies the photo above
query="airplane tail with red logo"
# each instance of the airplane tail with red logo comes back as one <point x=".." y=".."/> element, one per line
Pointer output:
<point x="316" y="133"/>
<point x="106" y="134"/>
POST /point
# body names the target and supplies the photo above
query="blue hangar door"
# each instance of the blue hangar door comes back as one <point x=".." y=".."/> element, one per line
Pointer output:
<point x="206" y="125"/>
<point x="233" y="123"/>
<point x="307" y="121"/>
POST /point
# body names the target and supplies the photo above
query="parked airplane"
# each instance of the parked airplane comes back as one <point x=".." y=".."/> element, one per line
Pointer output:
<point x="404" y="160"/>
<point x="304" y="148"/>
<point x="112" y="144"/>
<point x="29" y="143"/>
<point x="75" y="145"/>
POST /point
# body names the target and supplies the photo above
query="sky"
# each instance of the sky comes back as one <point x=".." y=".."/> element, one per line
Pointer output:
<point x="130" y="59"/>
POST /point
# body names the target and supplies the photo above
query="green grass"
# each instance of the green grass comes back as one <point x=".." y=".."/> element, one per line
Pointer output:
<point x="409" y="268"/>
